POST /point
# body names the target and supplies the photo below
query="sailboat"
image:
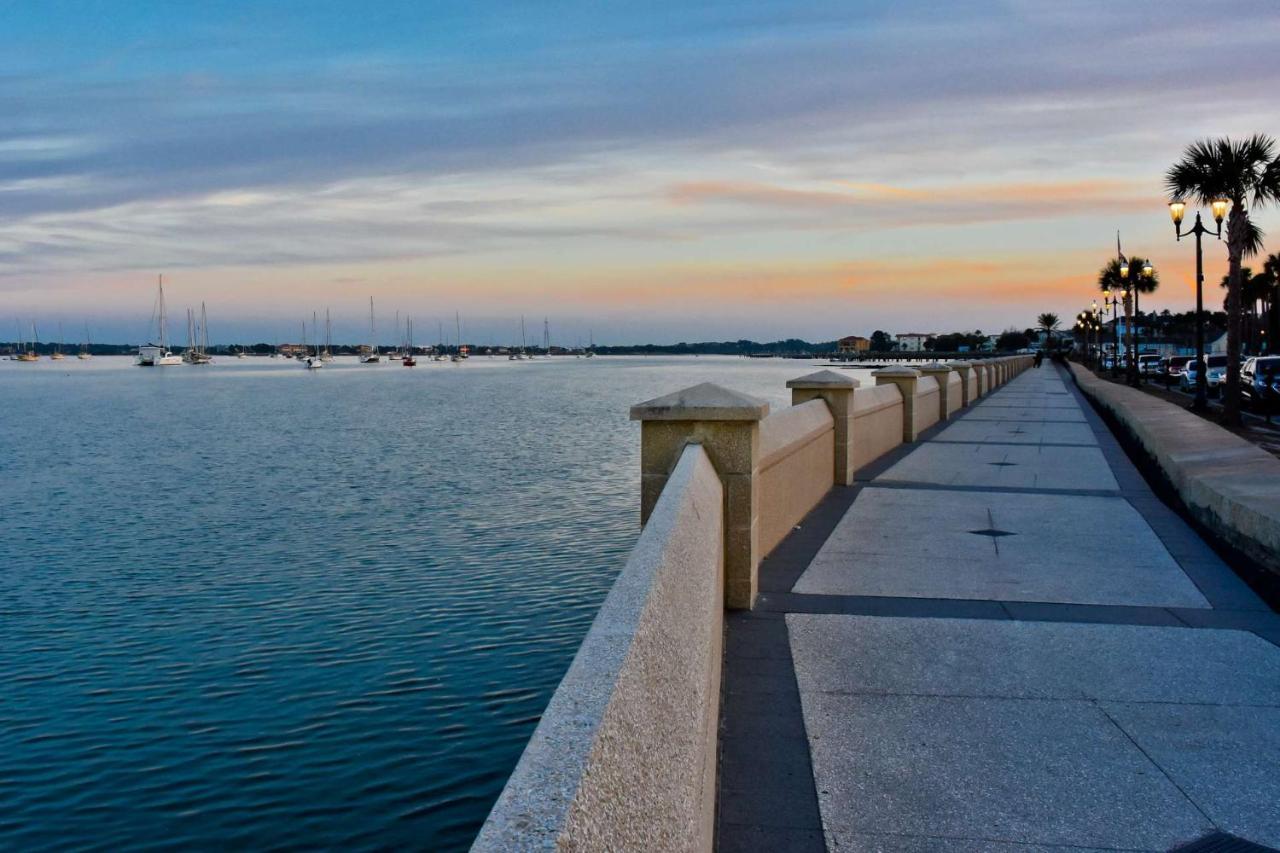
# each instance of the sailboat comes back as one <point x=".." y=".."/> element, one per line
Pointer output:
<point x="197" y="338"/>
<point x="397" y="351"/>
<point x="370" y="356"/>
<point x="327" y="355"/>
<point x="546" y="337"/>
<point x="462" y="350"/>
<point x="408" y="360"/>
<point x="521" y="355"/>
<point x="84" y="355"/>
<point x="158" y="355"/>
<point x="313" y="362"/>
<point x="29" y="354"/>
<point x="591" y="347"/>
<point x="57" y="355"/>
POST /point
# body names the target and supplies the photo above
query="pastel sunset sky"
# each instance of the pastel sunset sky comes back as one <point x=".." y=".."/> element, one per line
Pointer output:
<point x="655" y="171"/>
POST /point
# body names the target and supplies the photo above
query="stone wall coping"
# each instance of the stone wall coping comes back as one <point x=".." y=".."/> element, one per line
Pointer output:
<point x="935" y="367"/>
<point x="786" y="431"/>
<point x="705" y="402"/>
<point x="824" y="379"/>
<point x="869" y="400"/>
<point x="896" y="370"/>
<point x="624" y="755"/>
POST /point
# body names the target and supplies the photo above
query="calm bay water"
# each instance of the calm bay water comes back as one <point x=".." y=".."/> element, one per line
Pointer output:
<point x="248" y="605"/>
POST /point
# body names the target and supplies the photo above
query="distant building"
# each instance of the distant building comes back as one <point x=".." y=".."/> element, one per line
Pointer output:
<point x="853" y="344"/>
<point x="291" y="350"/>
<point x="911" y="341"/>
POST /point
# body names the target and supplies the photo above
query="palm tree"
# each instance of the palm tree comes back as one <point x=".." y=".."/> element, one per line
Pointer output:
<point x="1271" y="274"/>
<point x="1244" y="172"/>
<point x="1048" y="322"/>
<point x="1135" y="279"/>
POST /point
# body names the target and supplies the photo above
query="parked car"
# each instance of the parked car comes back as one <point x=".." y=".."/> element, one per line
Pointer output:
<point x="1260" y="383"/>
<point x="1149" y="364"/>
<point x="1176" y="365"/>
<point x="1214" y="374"/>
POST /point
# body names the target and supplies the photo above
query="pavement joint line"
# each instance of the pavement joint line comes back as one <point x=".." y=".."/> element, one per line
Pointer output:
<point x="1013" y="443"/>
<point x="1038" y="845"/>
<point x="1159" y="767"/>
<point x="825" y="604"/>
<point x="1003" y="697"/>
<point x="1015" y="490"/>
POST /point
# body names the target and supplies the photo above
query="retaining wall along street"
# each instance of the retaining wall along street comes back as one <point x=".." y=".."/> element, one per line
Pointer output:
<point x="625" y="756"/>
<point x="1227" y="484"/>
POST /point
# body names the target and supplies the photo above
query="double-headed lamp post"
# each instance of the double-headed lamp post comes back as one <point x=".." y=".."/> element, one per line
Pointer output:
<point x="1130" y="289"/>
<point x="1177" y="209"/>
<point x="1111" y="298"/>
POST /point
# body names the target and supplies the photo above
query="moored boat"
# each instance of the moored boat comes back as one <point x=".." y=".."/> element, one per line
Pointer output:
<point x="158" y="355"/>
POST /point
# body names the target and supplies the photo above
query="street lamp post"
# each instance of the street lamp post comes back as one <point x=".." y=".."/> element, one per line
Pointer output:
<point x="1097" y="331"/>
<point x="1110" y="298"/>
<point x="1177" y="209"/>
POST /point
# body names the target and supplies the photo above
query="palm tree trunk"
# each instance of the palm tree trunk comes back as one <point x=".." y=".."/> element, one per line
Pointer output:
<point x="1132" y="370"/>
<point x="1237" y="229"/>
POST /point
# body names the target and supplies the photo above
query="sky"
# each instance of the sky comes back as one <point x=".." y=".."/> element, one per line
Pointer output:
<point x="635" y="172"/>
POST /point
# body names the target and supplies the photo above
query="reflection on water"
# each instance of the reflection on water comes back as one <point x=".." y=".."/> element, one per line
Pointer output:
<point x="248" y="605"/>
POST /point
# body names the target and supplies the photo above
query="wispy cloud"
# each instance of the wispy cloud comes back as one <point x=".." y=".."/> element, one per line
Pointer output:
<point x="577" y="140"/>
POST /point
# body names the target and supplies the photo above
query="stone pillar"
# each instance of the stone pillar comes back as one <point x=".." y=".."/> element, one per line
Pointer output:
<point x="965" y="369"/>
<point x="941" y="373"/>
<point x="837" y="390"/>
<point x="905" y="378"/>
<point x="727" y="425"/>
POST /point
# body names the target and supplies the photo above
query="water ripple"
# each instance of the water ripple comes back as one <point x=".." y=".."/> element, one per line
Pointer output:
<point x="247" y="606"/>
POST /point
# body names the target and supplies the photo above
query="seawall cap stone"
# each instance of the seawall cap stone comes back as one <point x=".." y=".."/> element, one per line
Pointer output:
<point x="705" y="402"/>
<point x="896" y="370"/>
<point x="936" y="366"/>
<point x="824" y="379"/>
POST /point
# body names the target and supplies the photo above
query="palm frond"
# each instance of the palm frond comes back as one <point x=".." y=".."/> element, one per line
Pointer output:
<point x="1241" y="170"/>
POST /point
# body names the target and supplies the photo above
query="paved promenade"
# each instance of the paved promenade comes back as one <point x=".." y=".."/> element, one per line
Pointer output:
<point x="1000" y="639"/>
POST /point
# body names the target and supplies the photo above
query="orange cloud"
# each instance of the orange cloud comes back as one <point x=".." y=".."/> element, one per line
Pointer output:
<point x="911" y="205"/>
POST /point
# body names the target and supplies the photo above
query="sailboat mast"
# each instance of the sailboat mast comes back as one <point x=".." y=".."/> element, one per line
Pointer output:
<point x="164" y="342"/>
<point x="204" y="330"/>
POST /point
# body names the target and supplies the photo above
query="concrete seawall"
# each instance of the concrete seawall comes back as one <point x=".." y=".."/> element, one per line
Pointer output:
<point x="625" y="755"/>
<point x="1226" y="483"/>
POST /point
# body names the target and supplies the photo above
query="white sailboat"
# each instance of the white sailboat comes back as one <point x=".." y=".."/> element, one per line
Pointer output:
<point x="57" y="355"/>
<point x="370" y="356"/>
<point x="84" y="354"/>
<point x="407" y="358"/>
<point x="312" y="361"/>
<point x="28" y="353"/>
<point x="327" y="355"/>
<point x="158" y="355"/>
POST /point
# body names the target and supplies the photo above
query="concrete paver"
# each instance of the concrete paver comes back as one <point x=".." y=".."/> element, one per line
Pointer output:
<point x="1017" y="432"/>
<point x="998" y="546"/>
<point x="1005" y="466"/>
<point x="1121" y="689"/>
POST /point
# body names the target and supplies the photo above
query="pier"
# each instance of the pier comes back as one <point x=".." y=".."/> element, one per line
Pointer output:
<point x="946" y="612"/>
